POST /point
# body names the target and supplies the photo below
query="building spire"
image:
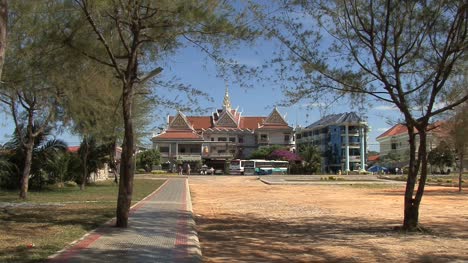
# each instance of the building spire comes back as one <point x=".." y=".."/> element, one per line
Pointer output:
<point x="227" y="100"/>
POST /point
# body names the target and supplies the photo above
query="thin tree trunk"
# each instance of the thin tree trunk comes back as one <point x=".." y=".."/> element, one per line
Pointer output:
<point x="85" y="170"/>
<point x="126" y="167"/>
<point x="27" y="169"/>
<point x="410" y="214"/>
<point x="3" y="31"/>
<point x="460" y="170"/>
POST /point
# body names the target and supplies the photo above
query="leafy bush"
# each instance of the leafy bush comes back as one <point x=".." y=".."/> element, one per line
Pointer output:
<point x="332" y="178"/>
<point x="70" y="184"/>
<point x="158" y="172"/>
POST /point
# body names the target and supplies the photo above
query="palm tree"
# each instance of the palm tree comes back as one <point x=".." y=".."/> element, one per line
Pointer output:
<point x="43" y="150"/>
<point x="92" y="156"/>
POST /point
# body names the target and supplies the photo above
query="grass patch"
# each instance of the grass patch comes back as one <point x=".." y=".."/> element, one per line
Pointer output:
<point x="50" y="228"/>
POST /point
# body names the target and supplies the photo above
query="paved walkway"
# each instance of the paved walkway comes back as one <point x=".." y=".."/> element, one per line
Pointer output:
<point x="161" y="229"/>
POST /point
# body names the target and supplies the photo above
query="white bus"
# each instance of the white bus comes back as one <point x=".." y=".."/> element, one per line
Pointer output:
<point x="237" y="167"/>
<point x="263" y="167"/>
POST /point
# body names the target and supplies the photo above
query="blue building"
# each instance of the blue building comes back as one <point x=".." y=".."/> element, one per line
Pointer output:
<point x="341" y="140"/>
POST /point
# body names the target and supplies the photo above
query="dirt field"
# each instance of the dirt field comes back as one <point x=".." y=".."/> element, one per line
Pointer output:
<point x="240" y="219"/>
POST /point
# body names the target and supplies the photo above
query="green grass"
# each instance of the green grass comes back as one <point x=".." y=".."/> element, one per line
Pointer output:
<point x="51" y="228"/>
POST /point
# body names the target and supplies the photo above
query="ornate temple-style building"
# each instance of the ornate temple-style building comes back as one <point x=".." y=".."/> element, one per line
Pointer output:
<point x="220" y="137"/>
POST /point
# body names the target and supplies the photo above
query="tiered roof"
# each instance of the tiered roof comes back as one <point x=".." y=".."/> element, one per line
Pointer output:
<point x="183" y="127"/>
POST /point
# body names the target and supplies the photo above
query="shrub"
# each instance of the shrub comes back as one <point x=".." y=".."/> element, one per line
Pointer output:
<point x="158" y="172"/>
<point x="70" y="184"/>
<point x="340" y="179"/>
<point x="332" y="178"/>
<point x="448" y="181"/>
<point x="439" y="180"/>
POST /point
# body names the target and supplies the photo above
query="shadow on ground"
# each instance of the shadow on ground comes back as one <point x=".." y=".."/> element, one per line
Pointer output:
<point x="231" y="238"/>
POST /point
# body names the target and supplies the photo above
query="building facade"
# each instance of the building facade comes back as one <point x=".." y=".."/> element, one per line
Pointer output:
<point x="341" y="140"/>
<point x="395" y="141"/>
<point x="220" y="137"/>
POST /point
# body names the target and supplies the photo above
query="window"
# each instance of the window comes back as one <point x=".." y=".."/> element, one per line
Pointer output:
<point x="221" y="151"/>
<point x="394" y="146"/>
<point x="263" y="137"/>
<point x="286" y="138"/>
<point x="212" y="139"/>
<point x="222" y="139"/>
<point x="164" y="149"/>
<point x="232" y="139"/>
<point x="182" y="150"/>
<point x="241" y="139"/>
<point x="298" y="136"/>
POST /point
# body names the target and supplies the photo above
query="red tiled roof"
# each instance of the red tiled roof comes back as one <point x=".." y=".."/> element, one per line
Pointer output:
<point x="395" y="130"/>
<point x="200" y="122"/>
<point x="73" y="149"/>
<point x="180" y="135"/>
<point x="398" y="129"/>
<point x="251" y="122"/>
<point x="373" y="158"/>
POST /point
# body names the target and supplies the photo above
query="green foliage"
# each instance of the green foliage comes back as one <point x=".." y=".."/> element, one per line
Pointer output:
<point x="92" y="154"/>
<point x="311" y="157"/>
<point x="264" y="152"/>
<point x="158" y="172"/>
<point x="44" y="152"/>
<point x="147" y="159"/>
<point x="441" y="156"/>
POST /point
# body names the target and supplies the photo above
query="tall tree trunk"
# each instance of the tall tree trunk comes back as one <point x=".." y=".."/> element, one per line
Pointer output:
<point x="3" y="31"/>
<point x="410" y="215"/>
<point x="126" y="167"/>
<point x="461" y="155"/>
<point x="28" y="148"/>
<point x="411" y="212"/>
<point x="85" y="164"/>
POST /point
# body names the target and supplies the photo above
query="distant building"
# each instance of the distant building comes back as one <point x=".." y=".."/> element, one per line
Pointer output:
<point x="395" y="141"/>
<point x="341" y="139"/>
<point x="222" y="136"/>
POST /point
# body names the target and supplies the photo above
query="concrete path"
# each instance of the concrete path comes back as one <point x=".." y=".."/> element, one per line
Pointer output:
<point x="161" y="229"/>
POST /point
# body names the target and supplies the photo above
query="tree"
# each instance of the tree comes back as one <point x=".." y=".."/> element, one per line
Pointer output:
<point x="44" y="150"/>
<point x="92" y="157"/>
<point x="132" y="37"/>
<point x="404" y="53"/>
<point x="311" y="157"/>
<point x="264" y="152"/>
<point x="29" y="90"/>
<point x="458" y="136"/>
<point x="3" y="31"/>
<point x="441" y="156"/>
<point x="284" y="155"/>
<point x="148" y="158"/>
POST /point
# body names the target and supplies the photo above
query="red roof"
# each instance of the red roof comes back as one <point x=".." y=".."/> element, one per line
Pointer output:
<point x="180" y="135"/>
<point x="251" y="122"/>
<point x="402" y="129"/>
<point x="73" y="149"/>
<point x="200" y="122"/>
<point x="373" y="158"/>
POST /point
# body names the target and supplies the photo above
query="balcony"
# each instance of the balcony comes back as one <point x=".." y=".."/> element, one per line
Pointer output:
<point x="353" y="132"/>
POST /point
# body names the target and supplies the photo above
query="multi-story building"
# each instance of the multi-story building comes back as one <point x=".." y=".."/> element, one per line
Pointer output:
<point x="223" y="136"/>
<point x="396" y="141"/>
<point x="341" y="140"/>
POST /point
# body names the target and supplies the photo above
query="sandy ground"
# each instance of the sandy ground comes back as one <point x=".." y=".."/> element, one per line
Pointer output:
<point x="240" y="219"/>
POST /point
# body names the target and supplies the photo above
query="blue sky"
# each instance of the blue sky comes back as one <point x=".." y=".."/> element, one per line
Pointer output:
<point x="192" y="67"/>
